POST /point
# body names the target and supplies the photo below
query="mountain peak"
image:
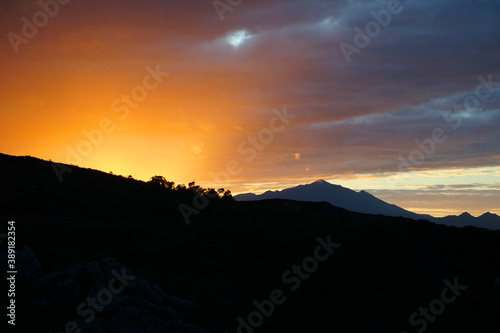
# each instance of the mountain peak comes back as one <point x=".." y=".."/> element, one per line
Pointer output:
<point x="489" y="216"/>
<point x="364" y="202"/>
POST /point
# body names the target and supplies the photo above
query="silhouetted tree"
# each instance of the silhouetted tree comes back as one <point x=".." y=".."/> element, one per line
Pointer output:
<point x="161" y="181"/>
<point x="181" y="187"/>
<point x="211" y="193"/>
<point x="227" y="195"/>
<point x="196" y="188"/>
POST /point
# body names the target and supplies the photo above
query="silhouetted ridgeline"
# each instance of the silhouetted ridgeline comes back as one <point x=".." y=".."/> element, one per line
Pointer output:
<point x="75" y="237"/>
<point x="364" y="202"/>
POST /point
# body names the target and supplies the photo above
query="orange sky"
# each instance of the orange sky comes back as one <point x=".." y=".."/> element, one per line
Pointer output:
<point x="226" y="81"/>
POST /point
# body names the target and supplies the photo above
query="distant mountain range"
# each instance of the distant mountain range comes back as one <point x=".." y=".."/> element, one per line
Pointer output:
<point x="364" y="202"/>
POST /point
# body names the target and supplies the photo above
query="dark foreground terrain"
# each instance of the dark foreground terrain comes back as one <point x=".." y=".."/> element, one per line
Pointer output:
<point x="103" y="253"/>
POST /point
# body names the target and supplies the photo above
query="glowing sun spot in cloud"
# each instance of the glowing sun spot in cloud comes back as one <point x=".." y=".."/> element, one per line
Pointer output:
<point x="296" y="156"/>
<point x="329" y="23"/>
<point x="237" y="38"/>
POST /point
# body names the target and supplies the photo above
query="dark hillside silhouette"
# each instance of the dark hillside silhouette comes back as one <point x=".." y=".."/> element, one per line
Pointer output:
<point x="72" y="236"/>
